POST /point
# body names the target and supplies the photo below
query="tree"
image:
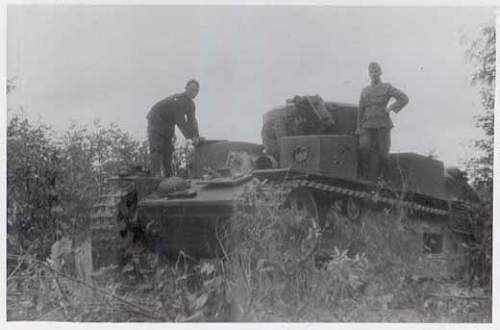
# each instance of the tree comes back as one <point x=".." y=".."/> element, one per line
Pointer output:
<point x="53" y="180"/>
<point x="481" y="52"/>
<point x="31" y="182"/>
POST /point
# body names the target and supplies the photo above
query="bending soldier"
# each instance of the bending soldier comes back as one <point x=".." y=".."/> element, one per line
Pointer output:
<point x="374" y="123"/>
<point x="178" y="109"/>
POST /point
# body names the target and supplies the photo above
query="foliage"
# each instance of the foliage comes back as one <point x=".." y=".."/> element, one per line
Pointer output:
<point x="53" y="180"/>
<point x="182" y="157"/>
<point x="32" y="174"/>
<point x="482" y="53"/>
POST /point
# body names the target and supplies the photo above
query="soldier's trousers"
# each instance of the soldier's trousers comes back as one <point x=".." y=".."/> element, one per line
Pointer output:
<point x="374" y="144"/>
<point x="161" y="148"/>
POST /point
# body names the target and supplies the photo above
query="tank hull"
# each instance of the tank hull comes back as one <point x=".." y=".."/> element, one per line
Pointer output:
<point x="196" y="226"/>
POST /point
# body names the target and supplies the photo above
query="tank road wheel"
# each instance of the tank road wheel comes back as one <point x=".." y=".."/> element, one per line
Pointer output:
<point x="352" y="208"/>
<point x="303" y="224"/>
<point x="303" y="201"/>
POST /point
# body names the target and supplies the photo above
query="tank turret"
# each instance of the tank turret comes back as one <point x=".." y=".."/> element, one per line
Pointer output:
<point x="306" y="115"/>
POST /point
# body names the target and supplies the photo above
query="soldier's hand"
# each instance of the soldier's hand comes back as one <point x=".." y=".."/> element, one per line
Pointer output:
<point x="357" y="131"/>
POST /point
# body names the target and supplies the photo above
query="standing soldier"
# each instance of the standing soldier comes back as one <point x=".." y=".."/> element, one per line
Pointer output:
<point x="374" y="124"/>
<point x="178" y="109"/>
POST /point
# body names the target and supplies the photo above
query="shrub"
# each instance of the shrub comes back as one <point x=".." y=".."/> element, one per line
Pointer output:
<point x="52" y="181"/>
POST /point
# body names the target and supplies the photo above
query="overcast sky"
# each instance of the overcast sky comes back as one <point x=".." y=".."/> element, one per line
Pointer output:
<point x="114" y="62"/>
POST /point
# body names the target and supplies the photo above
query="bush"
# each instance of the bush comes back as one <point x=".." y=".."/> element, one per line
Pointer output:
<point x="52" y="181"/>
<point x="273" y="266"/>
<point x="32" y="182"/>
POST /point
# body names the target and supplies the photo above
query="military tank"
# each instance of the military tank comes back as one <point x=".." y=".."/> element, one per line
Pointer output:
<point x="310" y="149"/>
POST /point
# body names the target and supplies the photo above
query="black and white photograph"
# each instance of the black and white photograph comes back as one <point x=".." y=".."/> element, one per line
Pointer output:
<point x="267" y="162"/>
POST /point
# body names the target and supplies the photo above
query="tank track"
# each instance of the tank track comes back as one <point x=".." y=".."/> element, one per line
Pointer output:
<point x="375" y="197"/>
<point x="460" y="214"/>
<point x="110" y="217"/>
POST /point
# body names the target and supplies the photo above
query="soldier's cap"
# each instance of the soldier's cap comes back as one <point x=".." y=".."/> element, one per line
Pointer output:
<point x="374" y="66"/>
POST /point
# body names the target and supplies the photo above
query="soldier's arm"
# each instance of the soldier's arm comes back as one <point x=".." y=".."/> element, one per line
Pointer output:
<point x="192" y="122"/>
<point x="401" y="99"/>
<point x="188" y="124"/>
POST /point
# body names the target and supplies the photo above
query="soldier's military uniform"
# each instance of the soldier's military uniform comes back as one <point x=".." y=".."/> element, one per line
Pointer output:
<point x="374" y="124"/>
<point x="178" y="109"/>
